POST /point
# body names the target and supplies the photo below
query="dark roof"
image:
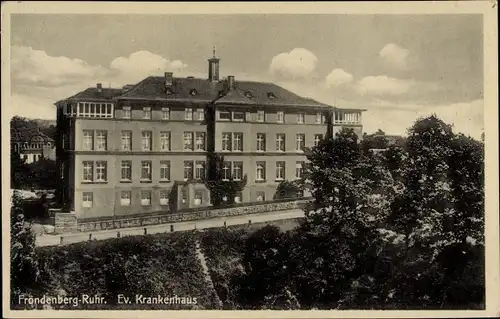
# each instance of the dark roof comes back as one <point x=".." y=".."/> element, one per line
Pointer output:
<point x="153" y="88"/>
<point x="244" y="92"/>
<point x="262" y="93"/>
<point x="191" y="89"/>
<point x="94" y="94"/>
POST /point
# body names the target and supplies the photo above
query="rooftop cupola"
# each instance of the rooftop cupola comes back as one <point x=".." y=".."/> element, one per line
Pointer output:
<point x="213" y="68"/>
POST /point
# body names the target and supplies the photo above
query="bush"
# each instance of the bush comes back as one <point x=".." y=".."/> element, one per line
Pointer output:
<point x="163" y="264"/>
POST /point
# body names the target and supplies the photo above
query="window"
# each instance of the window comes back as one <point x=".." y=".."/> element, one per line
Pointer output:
<point x="237" y="171"/>
<point x="126" y="140"/>
<point x="238" y="142"/>
<point x="280" y="117"/>
<point x="95" y="109"/>
<point x="146" y="141"/>
<point x="319" y="118"/>
<point x="226" y="171"/>
<point x="200" y="141"/>
<point x="88" y="171"/>
<point x="87" y="199"/>
<point x="261" y="141"/>
<point x="261" y="196"/>
<point x="188" y="114"/>
<point x="165" y="113"/>
<point x="126" y="174"/>
<point x="188" y="170"/>
<point x="300" y="142"/>
<point x="261" y="171"/>
<point x="164" y="198"/>
<point x="201" y="114"/>
<point x="238" y="116"/>
<point x="200" y="170"/>
<point x="300" y="193"/>
<point x="226" y="141"/>
<point x="126" y="197"/>
<point x="101" y="168"/>
<point x="146" y="113"/>
<point x="299" y="170"/>
<point x="88" y="140"/>
<point x="261" y="116"/>
<point x="224" y="115"/>
<point x="146" y="170"/>
<point x="238" y="197"/>
<point x="165" y="141"/>
<point x="165" y="170"/>
<point x="317" y="139"/>
<point x="101" y="140"/>
<point x="188" y="141"/>
<point x="198" y="198"/>
<point x="280" y="171"/>
<point x="145" y="198"/>
<point x="280" y="142"/>
<point x="300" y="118"/>
<point x="127" y="112"/>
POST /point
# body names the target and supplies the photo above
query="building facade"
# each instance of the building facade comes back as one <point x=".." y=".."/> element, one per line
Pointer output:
<point x="144" y="148"/>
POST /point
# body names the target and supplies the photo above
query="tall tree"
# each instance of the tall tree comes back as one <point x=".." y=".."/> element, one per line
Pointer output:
<point x="337" y="223"/>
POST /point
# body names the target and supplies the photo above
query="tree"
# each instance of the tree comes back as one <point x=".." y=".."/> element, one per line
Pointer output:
<point x="287" y="189"/>
<point x="222" y="191"/>
<point x="265" y="282"/>
<point x="439" y="212"/>
<point x="19" y="172"/>
<point x="44" y="173"/>
<point x="24" y="269"/>
<point x="338" y="226"/>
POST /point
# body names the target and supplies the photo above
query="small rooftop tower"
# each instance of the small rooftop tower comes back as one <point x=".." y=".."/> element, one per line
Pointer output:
<point x="213" y="68"/>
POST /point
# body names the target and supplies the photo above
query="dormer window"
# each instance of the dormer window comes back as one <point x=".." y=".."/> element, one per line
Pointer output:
<point x="271" y="95"/>
<point x="221" y="93"/>
<point x="193" y="92"/>
<point x="248" y="94"/>
<point x="168" y="91"/>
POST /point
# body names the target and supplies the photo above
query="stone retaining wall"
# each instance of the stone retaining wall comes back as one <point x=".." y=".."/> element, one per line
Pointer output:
<point x="67" y="222"/>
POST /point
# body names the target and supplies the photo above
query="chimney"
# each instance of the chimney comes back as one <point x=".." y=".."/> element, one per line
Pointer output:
<point x="99" y="87"/>
<point x="169" y="79"/>
<point x="230" y="82"/>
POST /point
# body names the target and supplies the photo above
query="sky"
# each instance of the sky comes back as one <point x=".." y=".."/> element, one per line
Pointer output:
<point x="397" y="67"/>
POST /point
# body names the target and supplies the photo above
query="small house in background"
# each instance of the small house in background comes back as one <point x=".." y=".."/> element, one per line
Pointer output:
<point x="32" y="145"/>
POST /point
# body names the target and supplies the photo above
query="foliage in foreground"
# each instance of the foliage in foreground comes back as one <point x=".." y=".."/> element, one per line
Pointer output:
<point x="399" y="231"/>
<point x="152" y="265"/>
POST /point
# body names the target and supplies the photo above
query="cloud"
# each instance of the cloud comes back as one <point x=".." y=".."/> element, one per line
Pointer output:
<point x="144" y="63"/>
<point x="338" y="77"/>
<point x="383" y="85"/>
<point x="395" y="56"/>
<point x="297" y="64"/>
<point x="35" y="67"/>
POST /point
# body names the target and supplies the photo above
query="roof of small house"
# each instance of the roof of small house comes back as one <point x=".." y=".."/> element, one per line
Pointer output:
<point x="26" y="135"/>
